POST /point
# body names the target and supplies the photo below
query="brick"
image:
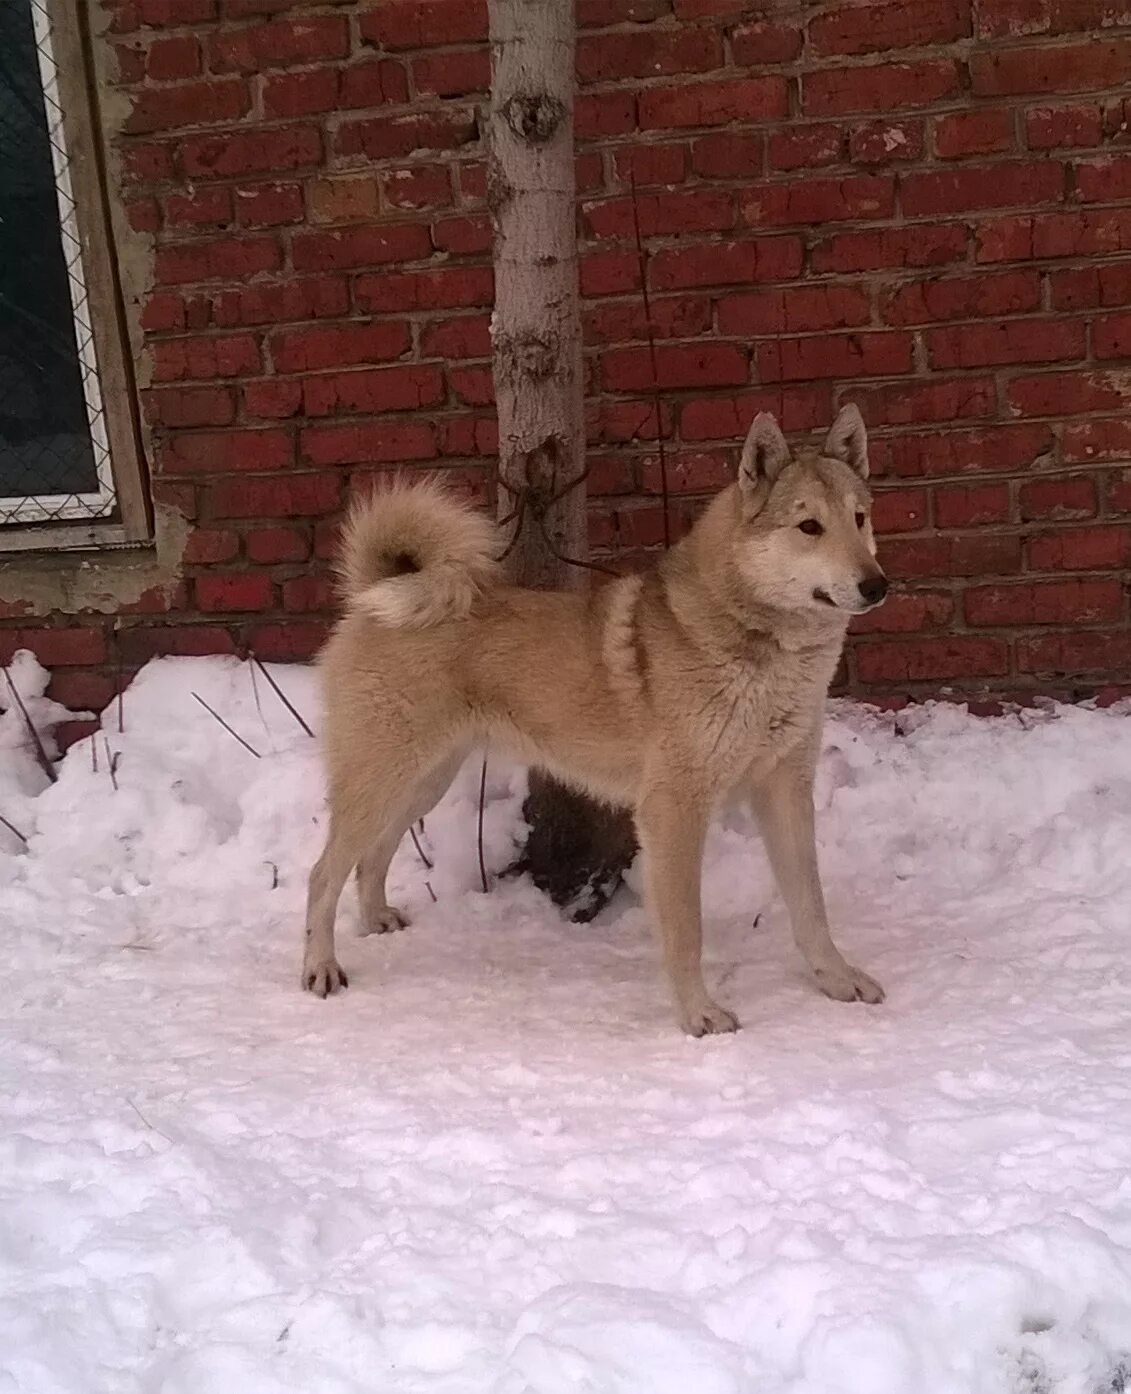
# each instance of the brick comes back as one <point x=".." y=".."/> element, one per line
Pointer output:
<point x="455" y="74"/>
<point x="1047" y="602"/>
<point x="609" y="273"/>
<point x="274" y="399"/>
<point x="143" y="214"/>
<point x="139" y="644"/>
<point x="1097" y="440"/>
<point x="1061" y="497"/>
<point x="303" y="594"/>
<point x="280" y="43"/>
<point x="385" y="442"/>
<point x="82" y="691"/>
<point x="141" y="164"/>
<point x="232" y="355"/>
<point x="972" y="505"/>
<point x="452" y="288"/>
<point x="393" y="137"/>
<point x="886" y="141"/>
<point x="798" y="310"/>
<point x="353" y="200"/>
<point x="269" y="205"/>
<point x="55" y="648"/>
<point x="276" y="544"/>
<point x="309" y="93"/>
<point x="238" y="590"/>
<point x="288" y="643"/>
<point x="986" y="131"/>
<point x="707" y="365"/>
<point x="409" y="388"/>
<point x="1054" y="128"/>
<point x="765" y="43"/>
<point x="468" y="435"/>
<point x="907" y="612"/>
<point x="251" y="152"/>
<point x="1065" y="394"/>
<point x="163" y="312"/>
<point x="993" y="186"/>
<point x="728" y="418"/>
<point x="358" y="247"/>
<point x="913" y="403"/>
<point x="1080" y="549"/>
<point x="229" y="259"/>
<point x="474" y="387"/>
<point x="462" y="236"/>
<point x="601" y="114"/>
<point x="200" y="208"/>
<point x="373" y="84"/>
<point x="1009" y="341"/>
<point x="205" y="546"/>
<point x="623" y="321"/>
<point x="317" y="297"/>
<point x="417" y="187"/>
<point x="727" y="263"/>
<point x="835" y="356"/>
<point x="963" y="297"/>
<point x="613" y="57"/>
<point x="293" y="496"/>
<point x="162" y="14"/>
<point x="1090" y="286"/>
<point x="920" y="660"/>
<point x="806" y="147"/>
<point x="699" y="472"/>
<point x="180" y="407"/>
<point x="899" y="510"/>
<point x="927" y="245"/>
<point x="863" y="197"/>
<point x="1080" y="652"/>
<point x="403" y="24"/>
<point x="300" y="350"/>
<point x="704" y="210"/>
<point x="993" y="449"/>
<point x="655" y="164"/>
<point x="613" y="422"/>
<point x="188" y="104"/>
<point x="1022" y="238"/>
<point x="173" y="59"/>
<point x="1111" y="336"/>
<point x="226" y="452"/>
<point x="468" y="336"/>
<point x="883" y="87"/>
<point x="1071" y="68"/>
<point x="712" y="103"/>
<point x="599" y="14"/>
<point x="1119" y="492"/>
<point x="883" y="28"/>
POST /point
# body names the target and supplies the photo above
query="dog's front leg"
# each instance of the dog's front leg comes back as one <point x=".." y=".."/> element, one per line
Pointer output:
<point x="783" y="802"/>
<point x="672" y="825"/>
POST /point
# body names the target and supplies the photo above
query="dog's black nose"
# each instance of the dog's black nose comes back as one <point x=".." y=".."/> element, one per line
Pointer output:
<point x="874" y="589"/>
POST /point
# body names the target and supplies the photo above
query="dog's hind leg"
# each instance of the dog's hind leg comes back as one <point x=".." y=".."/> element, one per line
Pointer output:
<point x="672" y="826"/>
<point x="377" y="915"/>
<point x="783" y="802"/>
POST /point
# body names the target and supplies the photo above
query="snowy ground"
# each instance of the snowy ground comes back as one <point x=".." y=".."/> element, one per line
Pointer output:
<point x="494" y="1165"/>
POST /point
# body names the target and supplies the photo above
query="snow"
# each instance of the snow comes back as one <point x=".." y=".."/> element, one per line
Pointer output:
<point x="494" y="1164"/>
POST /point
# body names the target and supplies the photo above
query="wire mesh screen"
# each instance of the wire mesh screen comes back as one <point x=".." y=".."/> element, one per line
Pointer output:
<point x="54" y="455"/>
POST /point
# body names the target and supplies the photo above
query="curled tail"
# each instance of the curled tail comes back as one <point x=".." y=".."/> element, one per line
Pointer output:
<point x="412" y="555"/>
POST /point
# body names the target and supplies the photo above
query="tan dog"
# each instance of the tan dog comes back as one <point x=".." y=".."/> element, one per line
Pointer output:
<point x="664" y="692"/>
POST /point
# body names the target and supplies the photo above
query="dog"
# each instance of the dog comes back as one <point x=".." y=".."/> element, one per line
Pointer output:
<point x="664" y="692"/>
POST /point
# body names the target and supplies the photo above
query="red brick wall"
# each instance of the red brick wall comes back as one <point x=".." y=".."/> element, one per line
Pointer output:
<point x="923" y="206"/>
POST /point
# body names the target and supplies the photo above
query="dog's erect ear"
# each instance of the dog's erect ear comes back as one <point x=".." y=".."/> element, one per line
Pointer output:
<point x="764" y="455"/>
<point x="847" y="440"/>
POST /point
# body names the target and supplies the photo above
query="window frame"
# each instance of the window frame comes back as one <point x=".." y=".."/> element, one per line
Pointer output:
<point x="70" y="47"/>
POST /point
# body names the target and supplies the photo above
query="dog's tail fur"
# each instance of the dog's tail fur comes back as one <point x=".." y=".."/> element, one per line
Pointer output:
<point x="413" y="555"/>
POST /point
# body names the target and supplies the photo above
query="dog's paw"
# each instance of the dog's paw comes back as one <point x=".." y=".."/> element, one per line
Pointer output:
<point x="708" y="1019"/>
<point x="848" y="984"/>
<point x="325" y="978"/>
<point x="384" y="921"/>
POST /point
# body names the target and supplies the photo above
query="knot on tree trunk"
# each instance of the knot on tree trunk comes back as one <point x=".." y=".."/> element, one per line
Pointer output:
<point x="528" y="355"/>
<point x="534" y="116"/>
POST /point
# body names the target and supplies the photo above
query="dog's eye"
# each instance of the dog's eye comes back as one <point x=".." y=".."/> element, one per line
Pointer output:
<point x="860" y="520"/>
<point x="811" y="527"/>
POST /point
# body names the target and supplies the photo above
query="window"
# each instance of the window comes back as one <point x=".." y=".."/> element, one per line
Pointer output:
<point x="69" y="466"/>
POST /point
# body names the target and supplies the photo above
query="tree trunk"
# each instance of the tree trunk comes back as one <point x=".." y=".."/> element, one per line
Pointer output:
<point x="577" y="848"/>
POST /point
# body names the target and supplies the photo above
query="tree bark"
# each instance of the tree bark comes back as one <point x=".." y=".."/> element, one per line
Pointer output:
<point x="577" y="848"/>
